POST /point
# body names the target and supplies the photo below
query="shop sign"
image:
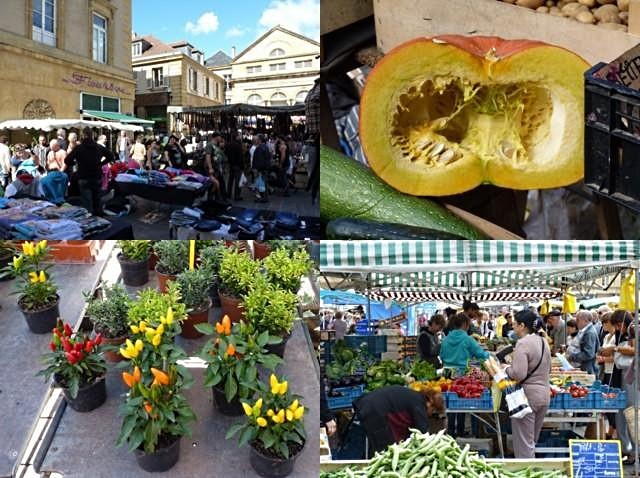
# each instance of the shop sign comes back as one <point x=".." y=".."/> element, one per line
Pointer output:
<point x="78" y="79"/>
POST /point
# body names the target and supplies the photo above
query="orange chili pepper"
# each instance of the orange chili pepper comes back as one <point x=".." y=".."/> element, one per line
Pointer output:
<point x="160" y="378"/>
<point x="231" y="351"/>
<point x="148" y="407"/>
<point x="131" y="380"/>
<point x="226" y="322"/>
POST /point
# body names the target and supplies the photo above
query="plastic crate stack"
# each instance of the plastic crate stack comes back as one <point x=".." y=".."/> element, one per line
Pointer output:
<point x="453" y="402"/>
<point x="409" y="346"/>
<point x="343" y="397"/>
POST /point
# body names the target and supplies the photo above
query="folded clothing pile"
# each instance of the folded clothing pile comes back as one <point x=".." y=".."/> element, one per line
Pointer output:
<point x="52" y="229"/>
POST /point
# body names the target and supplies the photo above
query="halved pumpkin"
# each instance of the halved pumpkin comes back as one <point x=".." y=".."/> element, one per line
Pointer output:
<point x="442" y="115"/>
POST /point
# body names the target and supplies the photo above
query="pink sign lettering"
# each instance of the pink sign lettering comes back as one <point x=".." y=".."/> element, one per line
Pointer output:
<point x="78" y="79"/>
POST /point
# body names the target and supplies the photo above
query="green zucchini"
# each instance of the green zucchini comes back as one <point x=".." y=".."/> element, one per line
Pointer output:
<point x="347" y="228"/>
<point x="350" y="190"/>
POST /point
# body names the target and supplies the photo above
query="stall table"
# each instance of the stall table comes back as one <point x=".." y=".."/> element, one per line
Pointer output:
<point x="162" y="194"/>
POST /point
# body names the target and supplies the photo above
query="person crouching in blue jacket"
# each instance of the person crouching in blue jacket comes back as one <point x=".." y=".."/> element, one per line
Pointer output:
<point x="456" y="350"/>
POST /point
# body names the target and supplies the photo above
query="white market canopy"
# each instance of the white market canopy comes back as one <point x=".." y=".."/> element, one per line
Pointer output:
<point x="478" y="266"/>
<point x="54" y="124"/>
<point x="418" y="297"/>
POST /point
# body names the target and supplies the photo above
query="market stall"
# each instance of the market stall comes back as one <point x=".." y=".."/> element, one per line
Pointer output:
<point x="402" y="268"/>
<point x="412" y="87"/>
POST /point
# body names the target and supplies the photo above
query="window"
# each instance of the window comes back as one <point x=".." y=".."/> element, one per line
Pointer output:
<point x="136" y="49"/>
<point x="157" y="74"/>
<point x="44" y="21"/>
<point x="99" y="103"/>
<point x="207" y="91"/>
<point x="254" y="69"/>
<point x="277" y="66"/>
<point x="193" y="76"/>
<point x="99" y="38"/>
<point x="301" y="96"/>
<point x="254" y="99"/>
<point x="277" y="52"/>
<point x="303" y="64"/>
<point x="217" y="91"/>
<point x="278" y="99"/>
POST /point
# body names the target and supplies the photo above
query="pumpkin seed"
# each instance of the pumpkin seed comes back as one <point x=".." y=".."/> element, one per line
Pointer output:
<point x="437" y="149"/>
<point x="447" y="156"/>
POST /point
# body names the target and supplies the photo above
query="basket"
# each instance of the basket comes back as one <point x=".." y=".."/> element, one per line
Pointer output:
<point x="612" y="140"/>
<point x="617" y="403"/>
<point x="346" y="398"/>
<point x="485" y="402"/>
<point x="557" y="402"/>
<point x="571" y="403"/>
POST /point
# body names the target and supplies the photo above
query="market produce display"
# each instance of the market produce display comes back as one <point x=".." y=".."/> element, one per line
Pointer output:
<point x="350" y="190"/>
<point x="348" y="364"/>
<point x="610" y="14"/>
<point x="425" y="455"/>
<point x="440" y="116"/>
<point x="385" y="373"/>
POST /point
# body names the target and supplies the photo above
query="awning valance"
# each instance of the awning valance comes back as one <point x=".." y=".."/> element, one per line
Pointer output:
<point x="47" y="125"/>
<point x="407" y="296"/>
<point x="119" y="117"/>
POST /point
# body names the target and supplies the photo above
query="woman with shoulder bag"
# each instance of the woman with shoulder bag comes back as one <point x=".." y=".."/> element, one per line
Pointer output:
<point x="531" y="367"/>
<point x="624" y="361"/>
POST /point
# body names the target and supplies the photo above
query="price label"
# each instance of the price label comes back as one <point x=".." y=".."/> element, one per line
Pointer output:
<point x="595" y="459"/>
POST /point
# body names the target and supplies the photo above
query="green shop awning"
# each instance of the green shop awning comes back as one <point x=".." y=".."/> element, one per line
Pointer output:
<point x="119" y="117"/>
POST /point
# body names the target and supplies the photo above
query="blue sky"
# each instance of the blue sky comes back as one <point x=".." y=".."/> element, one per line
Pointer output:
<point x="213" y="25"/>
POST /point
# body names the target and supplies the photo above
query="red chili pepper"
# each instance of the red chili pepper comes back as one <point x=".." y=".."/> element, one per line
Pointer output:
<point x="71" y="357"/>
<point x="78" y="346"/>
<point x="98" y="339"/>
<point x="57" y="332"/>
<point x="80" y="354"/>
<point x="88" y="346"/>
<point x="67" y="330"/>
<point x="52" y="346"/>
<point x="66" y="345"/>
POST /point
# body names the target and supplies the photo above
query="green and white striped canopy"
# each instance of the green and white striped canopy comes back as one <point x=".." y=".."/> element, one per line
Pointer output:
<point x="473" y="265"/>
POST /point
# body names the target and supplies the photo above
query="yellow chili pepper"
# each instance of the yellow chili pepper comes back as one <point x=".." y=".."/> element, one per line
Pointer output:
<point x="282" y="389"/>
<point x="160" y="329"/>
<point x="278" y="417"/>
<point x="299" y="413"/>
<point x="143" y="326"/>
<point x="289" y="415"/>
<point x="28" y="249"/>
<point x="42" y="277"/>
<point x="258" y="405"/>
<point x="293" y="405"/>
<point x="273" y="382"/>
<point x="135" y="329"/>
<point x="247" y="409"/>
<point x="270" y="413"/>
<point x="33" y="277"/>
<point x="139" y="345"/>
<point x="17" y="262"/>
<point x="156" y="340"/>
<point x="261" y="422"/>
<point x="169" y="316"/>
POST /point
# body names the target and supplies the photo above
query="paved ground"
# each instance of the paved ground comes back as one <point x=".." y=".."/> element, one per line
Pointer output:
<point x="21" y="392"/>
<point x="299" y="203"/>
<point x="87" y="440"/>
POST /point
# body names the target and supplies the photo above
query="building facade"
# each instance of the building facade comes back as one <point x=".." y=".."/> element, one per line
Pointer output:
<point x="60" y="57"/>
<point x="170" y="77"/>
<point x="220" y="64"/>
<point x="277" y="69"/>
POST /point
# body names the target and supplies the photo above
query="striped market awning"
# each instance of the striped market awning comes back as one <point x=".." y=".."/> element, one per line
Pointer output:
<point x="409" y="296"/>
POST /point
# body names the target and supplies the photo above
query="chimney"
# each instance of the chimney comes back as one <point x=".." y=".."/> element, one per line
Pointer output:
<point x="233" y="52"/>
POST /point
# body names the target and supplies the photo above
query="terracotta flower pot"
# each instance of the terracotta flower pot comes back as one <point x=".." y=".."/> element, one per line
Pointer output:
<point x="163" y="279"/>
<point x="41" y="321"/>
<point x="193" y="318"/>
<point x="109" y="355"/>
<point x="231" y="306"/>
<point x="269" y="466"/>
<point x="162" y="459"/>
<point x="153" y="260"/>
<point x="260" y="250"/>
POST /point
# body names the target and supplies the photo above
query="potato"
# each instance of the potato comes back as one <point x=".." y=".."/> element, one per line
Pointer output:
<point x="606" y="2"/>
<point x="624" y="17"/>
<point x="542" y="9"/>
<point x="530" y="3"/>
<point x="555" y="11"/>
<point x="623" y="5"/>
<point x="585" y="17"/>
<point x="509" y="1"/>
<point x="550" y="3"/>
<point x="613" y="26"/>
<point x="562" y="3"/>
<point x="607" y="14"/>
<point x="588" y="3"/>
<point x="572" y="9"/>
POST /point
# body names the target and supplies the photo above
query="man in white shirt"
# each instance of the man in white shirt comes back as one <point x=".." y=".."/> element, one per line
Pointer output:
<point x="5" y="161"/>
<point x="123" y="147"/>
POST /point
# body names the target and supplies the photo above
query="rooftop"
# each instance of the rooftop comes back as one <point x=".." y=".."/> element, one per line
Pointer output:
<point x="219" y="59"/>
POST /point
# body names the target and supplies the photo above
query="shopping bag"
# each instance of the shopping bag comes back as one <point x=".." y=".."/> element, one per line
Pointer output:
<point x="243" y="181"/>
<point x="569" y="303"/>
<point x="260" y="185"/>
<point x="627" y="292"/>
<point x="517" y="402"/>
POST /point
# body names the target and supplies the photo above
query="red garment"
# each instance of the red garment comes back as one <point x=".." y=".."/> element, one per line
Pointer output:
<point x="399" y="423"/>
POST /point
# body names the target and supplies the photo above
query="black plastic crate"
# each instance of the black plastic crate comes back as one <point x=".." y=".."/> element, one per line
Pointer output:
<point x="612" y="140"/>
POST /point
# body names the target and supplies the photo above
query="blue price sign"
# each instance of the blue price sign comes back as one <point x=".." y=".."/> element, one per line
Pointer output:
<point x="595" y="459"/>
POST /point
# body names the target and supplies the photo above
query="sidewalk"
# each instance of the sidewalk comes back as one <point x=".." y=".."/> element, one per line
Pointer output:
<point x="21" y="392"/>
<point x="86" y="441"/>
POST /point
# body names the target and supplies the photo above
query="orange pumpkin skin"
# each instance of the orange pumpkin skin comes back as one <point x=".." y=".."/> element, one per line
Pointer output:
<point x="508" y="112"/>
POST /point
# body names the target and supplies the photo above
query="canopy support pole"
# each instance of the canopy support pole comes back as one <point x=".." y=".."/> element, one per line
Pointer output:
<point x="636" y="378"/>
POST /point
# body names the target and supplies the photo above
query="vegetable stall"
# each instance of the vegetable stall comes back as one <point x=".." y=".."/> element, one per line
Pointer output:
<point x="459" y="121"/>
<point x="476" y="269"/>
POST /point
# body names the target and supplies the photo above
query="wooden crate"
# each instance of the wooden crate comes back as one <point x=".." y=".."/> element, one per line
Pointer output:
<point x="400" y="20"/>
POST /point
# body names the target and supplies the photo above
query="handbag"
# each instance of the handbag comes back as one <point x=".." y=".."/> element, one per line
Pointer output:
<point x="622" y="361"/>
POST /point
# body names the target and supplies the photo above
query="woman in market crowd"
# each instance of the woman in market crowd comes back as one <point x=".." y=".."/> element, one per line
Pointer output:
<point x="572" y="341"/>
<point x="20" y="154"/>
<point x="388" y="413"/>
<point x="456" y="350"/>
<point x="154" y="156"/>
<point x="623" y="377"/>
<point x="507" y="327"/>
<point x="172" y="152"/>
<point x="73" y="142"/>
<point x="138" y="152"/>
<point x="429" y="341"/>
<point x="531" y="366"/>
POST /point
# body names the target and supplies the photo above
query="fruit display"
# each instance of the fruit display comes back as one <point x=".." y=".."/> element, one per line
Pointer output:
<point x="440" y="385"/>
<point x="578" y="391"/>
<point x="440" y="116"/>
<point x="610" y="14"/>
<point x="425" y="455"/>
<point x="350" y="190"/>
<point x="467" y="387"/>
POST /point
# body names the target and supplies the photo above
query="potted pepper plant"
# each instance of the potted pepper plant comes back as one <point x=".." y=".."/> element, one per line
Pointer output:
<point x="7" y="251"/>
<point x="232" y="362"/>
<point x="284" y="268"/>
<point x="268" y="308"/>
<point x="173" y="258"/>
<point x="38" y="295"/>
<point x="237" y="273"/>
<point x="77" y="367"/>
<point x="194" y="290"/>
<point x="274" y="429"/>
<point x="109" y="316"/>
<point x="134" y="261"/>
<point x="210" y="258"/>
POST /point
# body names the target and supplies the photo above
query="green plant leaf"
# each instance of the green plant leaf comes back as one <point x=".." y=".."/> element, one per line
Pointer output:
<point x="230" y="388"/>
<point x="247" y="434"/>
<point x="283" y="449"/>
<point x="205" y="328"/>
<point x="267" y="438"/>
<point x="235" y="428"/>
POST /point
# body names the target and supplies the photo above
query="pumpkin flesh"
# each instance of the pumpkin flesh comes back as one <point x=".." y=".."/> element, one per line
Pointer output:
<point x="438" y="119"/>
